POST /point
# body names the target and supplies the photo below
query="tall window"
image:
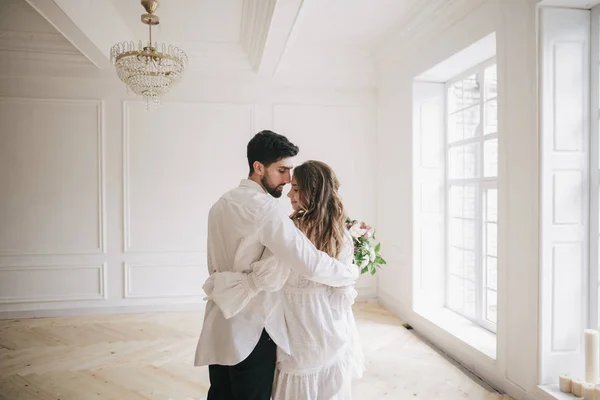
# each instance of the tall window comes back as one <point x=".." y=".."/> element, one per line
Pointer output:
<point x="472" y="194"/>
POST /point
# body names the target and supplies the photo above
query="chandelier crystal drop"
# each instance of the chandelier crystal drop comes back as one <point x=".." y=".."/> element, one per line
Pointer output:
<point x="147" y="69"/>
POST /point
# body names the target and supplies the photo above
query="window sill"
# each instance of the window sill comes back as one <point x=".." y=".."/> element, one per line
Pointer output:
<point x="462" y="328"/>
<point x="553" y="392"/>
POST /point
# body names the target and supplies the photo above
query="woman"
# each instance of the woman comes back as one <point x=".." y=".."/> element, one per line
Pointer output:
<point x="324" y="344"/>
<point x="325" y="352"/>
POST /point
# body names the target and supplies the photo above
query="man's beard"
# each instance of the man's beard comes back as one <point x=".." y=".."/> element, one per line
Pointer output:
<point x="272" y="190"/>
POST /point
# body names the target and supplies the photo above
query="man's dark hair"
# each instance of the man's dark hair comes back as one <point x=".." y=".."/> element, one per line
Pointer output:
<point x="268" y="147"/>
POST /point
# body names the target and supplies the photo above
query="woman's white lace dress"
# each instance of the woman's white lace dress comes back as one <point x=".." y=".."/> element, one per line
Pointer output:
<point x="326" y="352"/>
<point x="325" y="349"/>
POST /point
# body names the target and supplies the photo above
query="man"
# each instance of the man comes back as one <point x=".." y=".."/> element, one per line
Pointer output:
<point x="241" y="351"/>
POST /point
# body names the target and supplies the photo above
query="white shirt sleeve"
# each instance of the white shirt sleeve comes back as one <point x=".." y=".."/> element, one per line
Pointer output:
<point x="232" y="291"/>
<point x="278" y="233"/>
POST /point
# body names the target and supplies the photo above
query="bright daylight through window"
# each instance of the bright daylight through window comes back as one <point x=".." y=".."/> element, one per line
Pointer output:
<point x="472" y="195"/>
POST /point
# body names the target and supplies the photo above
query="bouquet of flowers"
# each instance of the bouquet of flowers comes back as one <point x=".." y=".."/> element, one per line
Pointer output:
<point x="366" y="252"/>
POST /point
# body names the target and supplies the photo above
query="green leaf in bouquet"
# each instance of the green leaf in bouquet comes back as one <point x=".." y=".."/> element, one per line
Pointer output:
<point x="365" y="269"/>
<point x="378" y="247"/>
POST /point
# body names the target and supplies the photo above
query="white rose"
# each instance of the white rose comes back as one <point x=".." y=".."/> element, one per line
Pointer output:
<point x="356" y="231"/>
<point x="372" y="254"/>
<point x="364" y="263"/>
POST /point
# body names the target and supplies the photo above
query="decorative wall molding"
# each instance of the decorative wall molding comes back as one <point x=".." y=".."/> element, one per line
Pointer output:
<point x="187" y="306"/>
<point x="570" y="181"/>
<point x="567" y="273"/>
<point x="125" y="179"/>
<point x="127" y="247"/>
<point x="36" y="42"/>
<point x="101" y="212"/>
<point x="128" y="293"/>
<point x="102" y="293"/>
<point x="566" y="194"/>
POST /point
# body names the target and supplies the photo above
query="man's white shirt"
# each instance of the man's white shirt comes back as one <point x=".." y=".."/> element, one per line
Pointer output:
<point x="241" y="224"/>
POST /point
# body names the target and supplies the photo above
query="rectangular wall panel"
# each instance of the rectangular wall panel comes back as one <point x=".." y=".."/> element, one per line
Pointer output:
<point x="51" y="175"/>
<point x="177" y="163"/>
<point x="569" y="95"/>
<point x="156" y="281"/>
<point x="52" y="283"/>
<point x="568" y="195"/>
<point x="567" y="278"/>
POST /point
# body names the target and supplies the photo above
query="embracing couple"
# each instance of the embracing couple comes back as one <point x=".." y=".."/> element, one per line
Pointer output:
<point x="278" y="320"/>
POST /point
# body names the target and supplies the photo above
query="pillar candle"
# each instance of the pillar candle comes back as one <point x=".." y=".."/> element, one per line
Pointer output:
<point x="564" y="383"/>
<point x="591" y="356"/>
<point x="588" y="391"/>
<point x="577" y="387"/>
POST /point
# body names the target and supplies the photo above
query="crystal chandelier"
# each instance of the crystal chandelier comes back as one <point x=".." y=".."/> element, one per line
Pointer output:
<point x="145" y="70"/>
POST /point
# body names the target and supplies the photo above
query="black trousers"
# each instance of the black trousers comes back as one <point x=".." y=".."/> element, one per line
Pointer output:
<point x="252" y="379"/>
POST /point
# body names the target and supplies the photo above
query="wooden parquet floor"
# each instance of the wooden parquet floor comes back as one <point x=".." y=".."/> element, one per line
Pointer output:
<point x="149" y="357"/>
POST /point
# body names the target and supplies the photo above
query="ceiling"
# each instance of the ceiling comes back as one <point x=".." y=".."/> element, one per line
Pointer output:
<point x="353" y="22"/>
<point x="333" y="38"/>
<point x="187" y="20"/>
<point x="17" y="15"/>
<point x="24" y="30"/>
<point x="346" y="22"/>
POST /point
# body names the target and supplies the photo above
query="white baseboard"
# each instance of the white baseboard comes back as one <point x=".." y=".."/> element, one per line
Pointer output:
<point x="364" y="297"/>
<point x="367" y="291"/>
<point x="365" y="294"/>
<point x="72" y="312"/>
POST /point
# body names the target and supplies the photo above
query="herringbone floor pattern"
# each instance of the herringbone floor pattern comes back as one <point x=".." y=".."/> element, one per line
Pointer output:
<point x="149" y="357"/>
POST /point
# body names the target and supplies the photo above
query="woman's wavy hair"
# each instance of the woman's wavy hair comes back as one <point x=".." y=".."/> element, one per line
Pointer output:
<point x="321" y="215"/>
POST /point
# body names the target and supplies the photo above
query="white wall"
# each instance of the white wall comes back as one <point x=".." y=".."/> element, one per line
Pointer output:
<point x="103" y="206"/>
<point x="516" y="367"/>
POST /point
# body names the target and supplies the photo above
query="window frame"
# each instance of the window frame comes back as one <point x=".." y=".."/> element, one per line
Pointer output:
<point x="594" y="211"/>
<point x="481" y="183"/>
